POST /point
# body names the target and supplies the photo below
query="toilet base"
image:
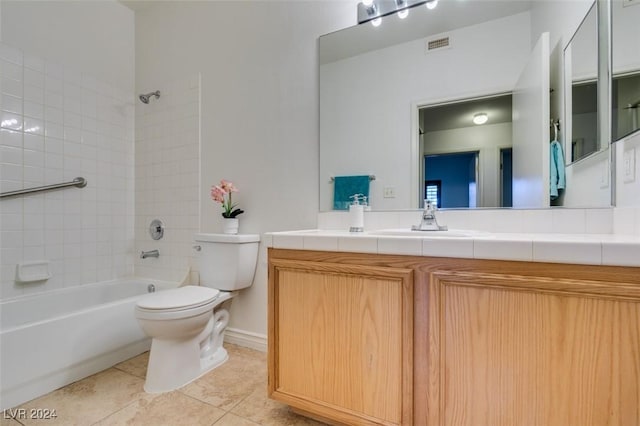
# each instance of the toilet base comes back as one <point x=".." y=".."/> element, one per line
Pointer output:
<point x="176" y="363"/>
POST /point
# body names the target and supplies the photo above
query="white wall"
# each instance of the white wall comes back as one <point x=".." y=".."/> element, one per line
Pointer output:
<point x="366" y="116"/>
<point x="628" y="193"/>
<point x="488" y="139"/>
<point x="259" y="73"/>
<point x="588" y="182"/>
<point x="95" y="37"/>
<point x="66" y="112"/>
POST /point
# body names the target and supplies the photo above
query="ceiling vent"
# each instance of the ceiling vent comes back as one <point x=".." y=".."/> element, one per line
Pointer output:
<point x="437" y="44"/>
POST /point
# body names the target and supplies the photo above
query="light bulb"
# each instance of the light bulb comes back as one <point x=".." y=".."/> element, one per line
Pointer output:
<point x="480" y="118"/>
<point x="403" y="13"/>
<point x="431" y="4"/>
<point x="376" y="22"/>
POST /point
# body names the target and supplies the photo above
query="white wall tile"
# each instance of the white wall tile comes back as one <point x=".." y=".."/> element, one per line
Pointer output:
<point x="167" y="178"/>
<point x="33" y="78"/>
<point x="11" y="138"/>
<point x="11" y="87"/>
<point x="11" y="70"/>
<point x="33" y="63"/>
<point x="33" y="93"/>
<point x="11" y="54"/>
<point x="393" y="245"/>
<point x="63" y="225"/>
<point x="567" y="252"/>
<point x="505" y="250"/>
<point x="568" y="221"/>
<point x="11" y="121"/>
<point x="622" y="254"/>
<point x="11" y="104"/>
<point x="10" y="154"/>
<point x="448" y="247"/>
<point x="599" y="221"/>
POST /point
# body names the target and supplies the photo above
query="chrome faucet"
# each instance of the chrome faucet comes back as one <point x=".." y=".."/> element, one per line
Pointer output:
<point x="150" y="253"/>
<point x="429" y="221"/>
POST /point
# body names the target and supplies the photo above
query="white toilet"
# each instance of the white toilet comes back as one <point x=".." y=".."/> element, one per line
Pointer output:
<point x="187" y="324"/>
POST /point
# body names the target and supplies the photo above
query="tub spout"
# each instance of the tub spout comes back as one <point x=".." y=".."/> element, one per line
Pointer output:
<point x="151" y="253"/>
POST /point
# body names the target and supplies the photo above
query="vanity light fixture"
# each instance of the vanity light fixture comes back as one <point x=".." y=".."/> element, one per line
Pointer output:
<point x="374" y="10"/>
<point x="403" y="8"/>
<point x="480" y="118"/>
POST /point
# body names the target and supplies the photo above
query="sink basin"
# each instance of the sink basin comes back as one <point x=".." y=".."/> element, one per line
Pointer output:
<point x="406" y="232"/>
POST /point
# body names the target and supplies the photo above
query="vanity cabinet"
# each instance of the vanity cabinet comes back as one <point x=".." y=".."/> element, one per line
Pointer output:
<point x="385" y="339"/>
<point x="340" y="340"/>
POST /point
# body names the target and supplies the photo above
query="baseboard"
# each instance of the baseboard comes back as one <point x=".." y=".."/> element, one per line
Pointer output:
<point x="245" y="338"/>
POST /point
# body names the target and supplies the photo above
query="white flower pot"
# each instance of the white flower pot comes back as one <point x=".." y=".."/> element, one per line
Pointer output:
<point x="230" y="225"/>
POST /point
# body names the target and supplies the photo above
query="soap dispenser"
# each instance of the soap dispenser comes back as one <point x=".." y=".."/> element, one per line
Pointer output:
<point x="356" y="214"/>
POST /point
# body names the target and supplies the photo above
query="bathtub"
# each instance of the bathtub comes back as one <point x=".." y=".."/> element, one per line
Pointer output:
<point x="54" y="338"/>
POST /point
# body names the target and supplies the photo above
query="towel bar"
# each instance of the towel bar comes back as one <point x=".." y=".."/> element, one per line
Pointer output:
<point x="371" y="177"/>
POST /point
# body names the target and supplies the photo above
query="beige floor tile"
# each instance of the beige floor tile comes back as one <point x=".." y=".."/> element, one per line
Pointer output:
<point x="233" y="420"/>
<point x="136" y="365"/>
<point x="89" y="400"/>
<point x="167" y="409"/>
<point x="10" y="422"/>
<point x="264" y="411"/>
<point x="230" y="383"/>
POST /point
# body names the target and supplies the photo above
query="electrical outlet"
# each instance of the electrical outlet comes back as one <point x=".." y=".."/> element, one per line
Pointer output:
<point x="629" y="166"/>
<point x="389" y="192"/>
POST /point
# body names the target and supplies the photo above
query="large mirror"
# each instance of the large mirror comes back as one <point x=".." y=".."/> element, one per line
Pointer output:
<point x="375" y="80"/>
<point x="625" y="49"/>
<point x="581" y="93"/>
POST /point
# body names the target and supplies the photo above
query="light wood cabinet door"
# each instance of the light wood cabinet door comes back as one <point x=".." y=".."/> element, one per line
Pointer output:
<point x="340" y="341"/>
<point x="527" y="351"/>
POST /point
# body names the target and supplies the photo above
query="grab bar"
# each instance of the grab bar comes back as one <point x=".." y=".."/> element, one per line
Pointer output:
<point x="79" y="182"/>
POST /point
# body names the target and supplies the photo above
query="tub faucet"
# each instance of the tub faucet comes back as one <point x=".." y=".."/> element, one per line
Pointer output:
<point x="429" y="221"/>
<point x="150" y="253"/>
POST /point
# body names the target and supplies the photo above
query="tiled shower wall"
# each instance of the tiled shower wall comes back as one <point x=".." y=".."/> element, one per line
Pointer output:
<point x="167" y="177"/>
<point x="59" y="123"/>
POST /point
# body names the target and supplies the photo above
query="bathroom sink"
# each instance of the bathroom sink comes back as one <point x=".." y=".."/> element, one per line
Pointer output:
<point x="406" y="232"/>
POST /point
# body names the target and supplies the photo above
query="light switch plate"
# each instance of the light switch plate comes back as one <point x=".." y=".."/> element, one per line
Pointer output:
<point x="629" y="165"/>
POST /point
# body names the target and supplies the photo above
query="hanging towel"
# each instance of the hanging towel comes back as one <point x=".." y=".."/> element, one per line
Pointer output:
<point x="556" y="170"/>
<point x="346" y="186"/>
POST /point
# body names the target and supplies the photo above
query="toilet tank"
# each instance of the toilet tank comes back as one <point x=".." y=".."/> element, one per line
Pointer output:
<point x="227" y="262"/>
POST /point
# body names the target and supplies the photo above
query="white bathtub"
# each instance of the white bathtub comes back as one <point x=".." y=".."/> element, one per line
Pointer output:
<point x="51" y="339"/>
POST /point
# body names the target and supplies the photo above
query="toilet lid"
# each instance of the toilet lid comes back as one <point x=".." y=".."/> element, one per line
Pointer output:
<point x="190" y="296"/>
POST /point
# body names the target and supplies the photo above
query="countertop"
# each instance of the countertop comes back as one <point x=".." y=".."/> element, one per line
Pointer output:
<point x="589" y="249"/>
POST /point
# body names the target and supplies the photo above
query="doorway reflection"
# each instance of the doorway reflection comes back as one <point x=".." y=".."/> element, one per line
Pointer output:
<point x="466" y="150"/>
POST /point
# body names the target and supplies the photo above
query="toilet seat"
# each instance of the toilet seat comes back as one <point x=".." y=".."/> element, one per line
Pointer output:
<point x="177" y="303"/>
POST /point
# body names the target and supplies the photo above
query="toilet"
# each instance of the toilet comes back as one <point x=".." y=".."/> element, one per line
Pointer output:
<point x="187" y="324"/>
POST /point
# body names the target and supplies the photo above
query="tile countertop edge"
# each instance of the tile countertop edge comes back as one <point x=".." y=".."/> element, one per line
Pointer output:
<point x="588" y="249"/>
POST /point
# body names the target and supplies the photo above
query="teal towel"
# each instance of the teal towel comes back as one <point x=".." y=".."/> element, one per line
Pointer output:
<point x="346" y="186"/>
<point x="557" y="178"/>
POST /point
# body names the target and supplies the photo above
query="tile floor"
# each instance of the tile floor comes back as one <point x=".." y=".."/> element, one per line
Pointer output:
<point x="234" y="394"/>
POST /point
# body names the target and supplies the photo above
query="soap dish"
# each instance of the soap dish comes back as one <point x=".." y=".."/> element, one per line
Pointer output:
<point x="29" y="272"/>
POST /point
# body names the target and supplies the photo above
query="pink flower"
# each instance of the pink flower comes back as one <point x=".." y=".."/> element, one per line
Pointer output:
<point x="222" y="194"/>
<point x="217" y="194"/>
<point x="227" y="186"/>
